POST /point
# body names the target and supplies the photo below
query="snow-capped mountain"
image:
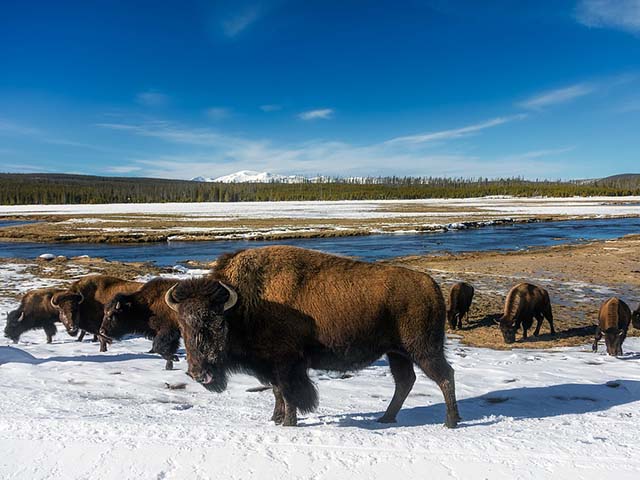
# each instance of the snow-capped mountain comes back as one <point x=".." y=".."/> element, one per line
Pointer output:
<point x="251" y="176"/>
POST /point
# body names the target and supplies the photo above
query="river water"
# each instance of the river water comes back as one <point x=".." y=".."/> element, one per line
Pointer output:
<point x="372" y="247"/>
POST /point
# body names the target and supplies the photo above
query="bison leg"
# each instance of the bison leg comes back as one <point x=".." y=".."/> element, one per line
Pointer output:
<point x="404" y="377"/>
<point x="539" y="319"/>
<point x="95" y="338"/>
<point x="103" y="344"/>
<point x="166" y="344"/>
<point x="50" y="330"/>
<point x="297" y="390"/>
<point x="81" y="336"/>
<point x="438" y="369"/>
<point x="460" y="315"/>
<point x="622" y="337"/>
<point x="549" y="317"/>
<point x="597" y="338"/>
<point x="279" y="409"/>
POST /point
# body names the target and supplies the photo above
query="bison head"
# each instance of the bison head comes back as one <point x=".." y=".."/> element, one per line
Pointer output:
<point x="613" y="338"/>
<point x="116" y="317"/>
<point x="16" y="324"/>
<point x="67" y="304"/>
<point x="451" y="318"/>
<point x="508" y="329"/>
<point x="635" y="318"/>
<point x="201" y="305"/>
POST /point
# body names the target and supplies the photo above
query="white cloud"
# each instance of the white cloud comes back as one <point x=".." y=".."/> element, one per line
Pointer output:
<point x="123" y="169"/>
<point x="209" y="152"/>
<point x="534" y="154"/>
<point x="455" y="132"/>
<point x="321" y="113"/>
<point x="239" y="22"/>
<point x="152" y="98"/>
<point x="270" y="108"/>
<point x="218" y="113"/>
<point x="617" y="14"/>
<point x="554" y="97"/>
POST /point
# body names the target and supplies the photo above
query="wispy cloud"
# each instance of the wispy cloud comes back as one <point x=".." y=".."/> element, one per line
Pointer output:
<point x="557" y="96"/>
<point x="211" y="152"/>
<point x="455" y="132"/>
<point x="617" y="14"/>
<point x="535" y="154"/>
<point x="123" y="169"/>
<point x="270" y="107"/>
<point x="238" y="22"/>
<point x="218" y="113"/>
<point x="152" y="98"/>
<point x="14" y="129"/>
<point x="320" y="113"/>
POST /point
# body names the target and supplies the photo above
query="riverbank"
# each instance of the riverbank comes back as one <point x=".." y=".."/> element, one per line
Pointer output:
<point x="578" y="278"/>
<point x="152" y="223"/>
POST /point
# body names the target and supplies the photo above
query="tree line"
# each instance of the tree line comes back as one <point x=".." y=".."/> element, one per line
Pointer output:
<point x="23" y="189"/>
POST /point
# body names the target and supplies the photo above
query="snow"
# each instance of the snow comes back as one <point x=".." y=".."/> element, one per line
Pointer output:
<point x="68" y="411"/>
<point x="575" y="206"/>
<point x="251" y="176"/>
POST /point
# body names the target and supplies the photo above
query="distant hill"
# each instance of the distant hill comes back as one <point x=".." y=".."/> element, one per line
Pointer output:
<point x="623" y="177"/>
<point x="251" y="176"/>
<point x="42" y="188"/>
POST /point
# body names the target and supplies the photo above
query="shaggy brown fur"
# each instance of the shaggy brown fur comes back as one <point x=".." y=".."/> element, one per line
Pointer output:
<point x="524" y="302"/>
<point x="613" y="321"/>
<point x="35" y="311"/>
<point x="460" y="297"/>
<point x="635" y="318"/>
<point x="299" y="309"/>
<point x="81" y="306"/>
<point x="145" y="312"/>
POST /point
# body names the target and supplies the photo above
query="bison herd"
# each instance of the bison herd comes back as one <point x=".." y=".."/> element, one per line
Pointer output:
<point x="274" y="312"/>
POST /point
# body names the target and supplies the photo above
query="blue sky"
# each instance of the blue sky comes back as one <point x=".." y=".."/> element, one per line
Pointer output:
<point x="541" y="89"/>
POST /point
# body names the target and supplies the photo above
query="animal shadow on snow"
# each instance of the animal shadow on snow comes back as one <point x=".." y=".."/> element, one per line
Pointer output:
<point x="517" y="403"/>
<point x="16" y="355"/>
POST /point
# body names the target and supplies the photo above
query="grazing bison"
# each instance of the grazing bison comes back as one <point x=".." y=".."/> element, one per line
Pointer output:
<point x="275" y="312"/>
<point x="635" y="318"/>
<point x="35" y="311"/>
<point x="145" y="312"/>
<point x="524" y="302"/>
<point x="460" y="297"/>
<point x="613" y="321"/>
<point x="81" y="306"/>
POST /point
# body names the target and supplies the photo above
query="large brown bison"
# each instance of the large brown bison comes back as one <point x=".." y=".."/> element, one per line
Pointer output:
<point x="524" y="302"/>
<point x="81" y="306"/>
<point x="460" y="298"/>
<point x="35" y="311"/>
<point x="277" y="311"/>
<point x="613" y="321"/>
<point x="145" y="312"/>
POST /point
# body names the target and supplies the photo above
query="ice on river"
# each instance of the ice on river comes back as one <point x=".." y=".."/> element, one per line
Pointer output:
<point x="68" y="411"/>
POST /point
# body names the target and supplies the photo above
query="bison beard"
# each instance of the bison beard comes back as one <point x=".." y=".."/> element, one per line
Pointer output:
<point x="299" y="309"/>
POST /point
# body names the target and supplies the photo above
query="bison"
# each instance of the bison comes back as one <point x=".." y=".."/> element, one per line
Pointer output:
<point x="35" y="311"/>
<point x="145" y="312"/>
<point x="613" y="321"/>
<point x="524" y="302"/>
<point x="277" y="311"/>
<point x="460" y="297"/>
<point x="81" y="306"/>
<point x="635" y="318"/>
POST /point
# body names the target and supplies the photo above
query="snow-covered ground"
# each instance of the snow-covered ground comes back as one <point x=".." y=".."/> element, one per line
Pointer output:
<point x="68" y="411"/>
<point x="575" y="206"/>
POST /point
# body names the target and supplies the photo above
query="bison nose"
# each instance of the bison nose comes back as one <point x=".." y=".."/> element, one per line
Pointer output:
<point x="203" y="378"/>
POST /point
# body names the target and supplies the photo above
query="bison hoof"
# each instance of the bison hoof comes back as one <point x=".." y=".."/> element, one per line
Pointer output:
<point x="452" y="422"/>
<point x="168" y="365"/>
<point x="290" y="423"/>
<point x="277" y="419"/>
<point x="385" y="419"/>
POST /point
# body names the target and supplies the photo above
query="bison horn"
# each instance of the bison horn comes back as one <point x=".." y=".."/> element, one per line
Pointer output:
<point x="21" y="317"/>
<point x="233" y="297"/>
<point x="168" y="299"/>
<point x="81" y="298"/>
<point x="53" y="303"/>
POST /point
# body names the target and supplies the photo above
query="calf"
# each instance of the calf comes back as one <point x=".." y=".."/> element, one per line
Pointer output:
<point x="613" y="322"/>
<point x="81" y="306"/>
<point x="35" y="311"/>
<point x="460" y="297"/>
<point x="145" y="312"/>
